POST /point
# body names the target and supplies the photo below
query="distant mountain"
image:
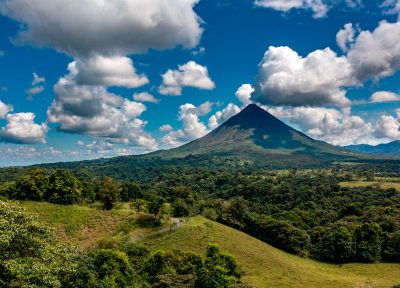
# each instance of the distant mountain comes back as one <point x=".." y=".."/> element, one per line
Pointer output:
<point x="389" y="149"/>
<point x="257" y="136"/>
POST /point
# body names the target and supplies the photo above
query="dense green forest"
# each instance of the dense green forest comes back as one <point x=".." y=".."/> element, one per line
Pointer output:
<point x="305" y="212"/>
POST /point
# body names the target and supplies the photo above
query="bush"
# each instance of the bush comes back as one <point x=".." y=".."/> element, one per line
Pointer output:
<point x="29" y="257"/>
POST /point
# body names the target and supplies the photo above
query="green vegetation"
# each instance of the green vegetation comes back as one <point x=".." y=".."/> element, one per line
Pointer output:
<point x="381" y="184"/>
<point x="265" y="266"/>
<point x="307" y="213"/>
<point x="30" y="257"/>
<point x="79" y="224"/>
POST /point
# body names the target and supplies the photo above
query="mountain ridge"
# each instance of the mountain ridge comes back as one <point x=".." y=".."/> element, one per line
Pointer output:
<point x="385" y="149"/>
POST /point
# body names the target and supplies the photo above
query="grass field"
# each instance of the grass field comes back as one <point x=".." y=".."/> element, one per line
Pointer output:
<point x="266" y="266"/>
<point x="84" y="226"/>
<point x="379" y="183"/>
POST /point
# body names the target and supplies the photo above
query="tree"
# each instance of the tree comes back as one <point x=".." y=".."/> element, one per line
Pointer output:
<point x="140" y="205"/>
<point x="219" y="269"/>
<point x="109" y="192"/>
<point x="369" y="242"/>
<point x="131" y="191"/>
<point x="64" y="188"/>
<point x="155" y="205"/>
<point x="31" y="186"/>
<point x="391" y="247"/>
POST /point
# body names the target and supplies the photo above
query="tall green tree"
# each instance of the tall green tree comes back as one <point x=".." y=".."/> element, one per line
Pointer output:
<point x="64" y="188"/>
<point x="31" y="186"/>
<point x="131" y="191"/>
<point x="109" y="192"/>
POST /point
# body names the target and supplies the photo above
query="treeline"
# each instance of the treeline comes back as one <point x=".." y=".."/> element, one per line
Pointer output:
<point x="302" y="212"/>
<point x="30" y="257"/>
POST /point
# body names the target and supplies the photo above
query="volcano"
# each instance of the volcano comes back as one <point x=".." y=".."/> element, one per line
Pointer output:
<point x="257" y="136"/>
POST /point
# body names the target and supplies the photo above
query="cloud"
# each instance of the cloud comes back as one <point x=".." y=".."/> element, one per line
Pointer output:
<point x="21" y="129"/>
<point x="384" y="96"/>
<point x="165" y="128"/>
<point x="4" y="109"/>
<point x="244" y="94"/>
<point x="37" y="79"/>
<point x="28" y="155"/>
<point x="221" y="116"/>
<point x="108" y="71"/>
<point x="199" y="51"/>
<point x="321" y="78"/>
<point x="318" y="7"/>
<point x="205" y="108"/>
<point x="132" y="109"/>
<point x="286" y="78"/>
<point x="35" y="90"/>
<point x="145" y="97"/>
<point x="391" y="6"/>
<point x="354" y="3"/>
<point x="345" y="37"/>
<point x="388" y="127"/>
<point x="192" y="127"/>
<point x="190" y="74"/>
<point x="327" y="124"/>
<point x="119" y="27"/>
<point x="376" y="54"/>
<point x="93" y="111"/>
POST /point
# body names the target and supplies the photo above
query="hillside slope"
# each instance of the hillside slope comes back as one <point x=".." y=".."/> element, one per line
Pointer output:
<point x="389" y="149"/>
<point x="266" y="266"/>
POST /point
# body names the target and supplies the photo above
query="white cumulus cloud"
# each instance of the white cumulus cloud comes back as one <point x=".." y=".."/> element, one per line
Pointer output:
<point x="345" y="37"/>
<point x="286" y="78"/>
<point x="318" y="7"/>
<point x="93" y="111"/>
<point x="384" y="96"/>
<point x="190" y="74"/>
<point x="388" y="127"/>
<point x="322" y="77"/>
<point x="21" y="129"/>
<point x="165" y="128"/>
<point x="244" y="94"/>
<point x="108" y="71"/>
<point x="81" y="28"/>
<point x="37" y="79"/>
<point x="192" y="126"/>
<point x="4" y="109"/>
<point x="145" y="97"/>
<point x="35" y="90"/>
<point x="221" y="116"/>
<point x="327" y="124"/>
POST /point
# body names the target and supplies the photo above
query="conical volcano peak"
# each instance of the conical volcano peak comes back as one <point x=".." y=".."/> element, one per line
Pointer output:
<point x="256" y="135"/>
<point x="255" y="117"/>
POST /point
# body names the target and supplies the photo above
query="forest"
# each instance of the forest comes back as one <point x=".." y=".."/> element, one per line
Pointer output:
<point x="304" y="212"/>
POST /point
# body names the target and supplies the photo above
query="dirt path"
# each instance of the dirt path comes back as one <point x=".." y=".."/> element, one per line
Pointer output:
<point x="176" y="223"/>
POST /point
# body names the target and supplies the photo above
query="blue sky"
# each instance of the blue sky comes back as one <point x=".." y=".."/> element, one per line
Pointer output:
<point x="128" y="77"/>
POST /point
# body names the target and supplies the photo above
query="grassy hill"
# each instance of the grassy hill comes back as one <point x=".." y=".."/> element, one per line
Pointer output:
<point x="264" y="265"/>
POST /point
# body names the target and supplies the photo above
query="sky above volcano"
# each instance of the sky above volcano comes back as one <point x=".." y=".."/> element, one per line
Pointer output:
<point x="95" y="78"/>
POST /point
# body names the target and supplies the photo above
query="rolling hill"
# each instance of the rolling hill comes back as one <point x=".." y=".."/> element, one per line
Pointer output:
<point x="389" y="149"/>
<point x="264" y="265"/>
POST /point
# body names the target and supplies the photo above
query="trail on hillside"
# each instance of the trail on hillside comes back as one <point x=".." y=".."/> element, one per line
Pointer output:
<point x="176" y="224"/>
